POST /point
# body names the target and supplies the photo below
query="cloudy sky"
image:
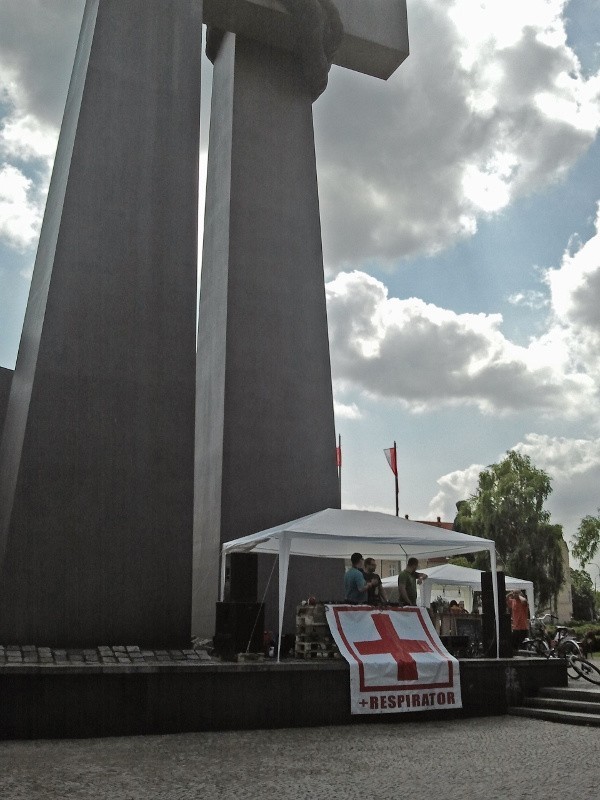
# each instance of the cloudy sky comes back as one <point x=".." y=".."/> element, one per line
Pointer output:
<point x="461" y="233"/>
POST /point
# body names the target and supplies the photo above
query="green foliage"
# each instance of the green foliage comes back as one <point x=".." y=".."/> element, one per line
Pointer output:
<point x="587" y="539"/>
<point x="465" y="523"/>
<point x="508" y="507"/>
<point x="461" y="561"/>
<point x="463" y="520"/>
<point x="581" y="630"/>
<point x="582" y="591"/>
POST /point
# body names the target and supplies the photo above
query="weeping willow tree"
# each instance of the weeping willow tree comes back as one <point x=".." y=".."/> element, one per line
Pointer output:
<point x="508" y="507"/>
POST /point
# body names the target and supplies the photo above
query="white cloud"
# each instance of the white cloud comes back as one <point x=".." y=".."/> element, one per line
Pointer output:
<point x="530" y="299"/>
<point x="561" y="457"/>
<point x="455" y="486"/>
<point x="27" y="139"/>
<point x="346" y="411"/>
<point x="37" y="45"/>
<point x="20" y="214"/>
<point x="572" y="464"/>
<point x="428" y="357"/>
<point x="24" y="140"/>
<point x="575" y="287"/>
<point x="491" y="105"/>
<point x="34" y="72"/>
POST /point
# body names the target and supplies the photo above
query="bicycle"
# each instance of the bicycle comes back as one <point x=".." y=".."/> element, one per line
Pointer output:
<point x="579" y="667"/>
<point x="564" y="647"/>
<point x="537" y="642"/>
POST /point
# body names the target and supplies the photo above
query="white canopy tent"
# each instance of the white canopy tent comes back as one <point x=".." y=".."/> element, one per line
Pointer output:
<point x="453" y="575"/>
<point x="335" y="533"/>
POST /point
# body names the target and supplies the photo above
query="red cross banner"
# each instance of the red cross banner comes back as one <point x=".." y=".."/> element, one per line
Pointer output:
<point x="397" y="662"/>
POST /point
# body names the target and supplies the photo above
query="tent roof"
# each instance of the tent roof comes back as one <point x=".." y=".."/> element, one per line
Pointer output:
<point x="453" y="575"/>
<point x="335" y="533"/>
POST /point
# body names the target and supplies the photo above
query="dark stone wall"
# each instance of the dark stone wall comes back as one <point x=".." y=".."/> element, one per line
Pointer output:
<point x="48" y="702"/>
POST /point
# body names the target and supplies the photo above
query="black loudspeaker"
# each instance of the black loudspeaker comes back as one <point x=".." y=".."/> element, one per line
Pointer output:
<point x="237" y="625"/>
<point x="457" y="646"/>
<point x="243" y="577"/>
<point x="488" y="625"/>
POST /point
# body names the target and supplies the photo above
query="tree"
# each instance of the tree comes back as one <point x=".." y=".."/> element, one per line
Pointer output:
<point x="587" y="539"/>
<point x="508" y="507"/>
<point x="582" y="591"/>
<point x="461" y="561"/>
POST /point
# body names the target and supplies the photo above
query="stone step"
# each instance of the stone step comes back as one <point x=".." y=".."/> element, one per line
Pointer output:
<point x="558" y="692"/>
<point x="562" y="704"/>
<point x="569" y="717"/>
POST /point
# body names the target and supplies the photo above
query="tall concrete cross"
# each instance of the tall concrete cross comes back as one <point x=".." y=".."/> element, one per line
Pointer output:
<point x="97" y="453"/>
<point x="265" y="440"/>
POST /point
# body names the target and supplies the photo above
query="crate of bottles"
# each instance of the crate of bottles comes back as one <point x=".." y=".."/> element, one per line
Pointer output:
<point x="313" y="637"/>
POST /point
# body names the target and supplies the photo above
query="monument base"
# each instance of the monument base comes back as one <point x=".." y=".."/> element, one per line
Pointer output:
<point x="177" y="692"/>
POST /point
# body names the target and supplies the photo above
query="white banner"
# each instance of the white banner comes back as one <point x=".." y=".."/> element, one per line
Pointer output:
<point x="397" y="661"/>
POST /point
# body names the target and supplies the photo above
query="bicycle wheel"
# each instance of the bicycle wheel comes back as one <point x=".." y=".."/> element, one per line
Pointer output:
<point x="543" y="648"/>
<point x="529" y="646"/>
<point x="571" y="671"/>
<point x="537" y="647"/>
<point x="569" y="648"/>
<point x="586" y="669"/>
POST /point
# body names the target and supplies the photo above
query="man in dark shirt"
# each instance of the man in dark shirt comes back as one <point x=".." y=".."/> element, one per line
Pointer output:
<point x="356" y="585"/>
<point x="376" y="595"/>
<point x="407" y="583"/>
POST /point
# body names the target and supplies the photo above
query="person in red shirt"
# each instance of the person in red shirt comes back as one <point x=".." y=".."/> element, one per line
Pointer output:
<point x="519" y="617"/>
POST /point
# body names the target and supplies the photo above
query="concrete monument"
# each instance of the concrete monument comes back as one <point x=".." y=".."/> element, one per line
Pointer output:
<point x="5" y="381"/>
<point x="97" y="505"/>
<point x="265" y="440"/>
<point x="96" y="460"/>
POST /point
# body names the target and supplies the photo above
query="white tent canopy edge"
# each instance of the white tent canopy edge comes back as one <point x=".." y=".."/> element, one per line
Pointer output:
<point x="336" y="533"/>
<point x="454" y="575"/>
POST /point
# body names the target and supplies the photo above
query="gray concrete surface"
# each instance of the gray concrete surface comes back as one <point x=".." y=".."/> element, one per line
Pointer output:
<point x="265" y="436"/>
<point x="375" y="31"/>
<point x="96" y="460"/>
<point x="492" y="759"/>
<point x="5" y="381"/>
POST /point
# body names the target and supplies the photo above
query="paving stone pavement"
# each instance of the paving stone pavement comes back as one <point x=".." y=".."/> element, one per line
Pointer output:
<point x="132" y="655"/>
<point x="501" y="758"/>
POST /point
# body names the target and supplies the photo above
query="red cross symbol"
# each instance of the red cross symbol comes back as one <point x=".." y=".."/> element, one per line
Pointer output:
<point x="400" y="649"/>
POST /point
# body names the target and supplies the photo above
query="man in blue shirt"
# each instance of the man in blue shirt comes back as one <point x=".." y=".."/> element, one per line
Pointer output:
<point x="355" y="585"/>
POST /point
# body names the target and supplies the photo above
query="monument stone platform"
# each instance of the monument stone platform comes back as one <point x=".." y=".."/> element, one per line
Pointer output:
<point x="126" y="690"/>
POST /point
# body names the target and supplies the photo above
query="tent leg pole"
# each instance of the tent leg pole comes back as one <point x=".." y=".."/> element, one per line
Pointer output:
<point x="496" y="603"/>
<point x="285" y="546"/>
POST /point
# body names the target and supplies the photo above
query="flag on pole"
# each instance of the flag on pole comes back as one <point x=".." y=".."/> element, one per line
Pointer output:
<point x="338" y="456"/>
<point x="390" y="454"/>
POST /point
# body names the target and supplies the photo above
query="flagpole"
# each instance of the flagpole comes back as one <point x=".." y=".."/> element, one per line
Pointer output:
<point x="396" y="479"/>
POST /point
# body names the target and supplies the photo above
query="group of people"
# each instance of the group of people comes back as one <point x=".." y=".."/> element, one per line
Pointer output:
<point x="457" y="608"/>
<point x="362" y="585"/>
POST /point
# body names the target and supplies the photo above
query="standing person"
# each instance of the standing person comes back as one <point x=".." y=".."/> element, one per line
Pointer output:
<point x="355" y="585"/>
<point x="519" y="617"/>
<point x="375" y="595"/>
<point x="407" y="582"/>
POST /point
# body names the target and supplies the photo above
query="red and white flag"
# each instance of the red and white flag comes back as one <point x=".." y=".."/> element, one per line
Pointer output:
<point x="397" y="662"/>
<point x="338" y="457"/>
<point x="390" y="454"/>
